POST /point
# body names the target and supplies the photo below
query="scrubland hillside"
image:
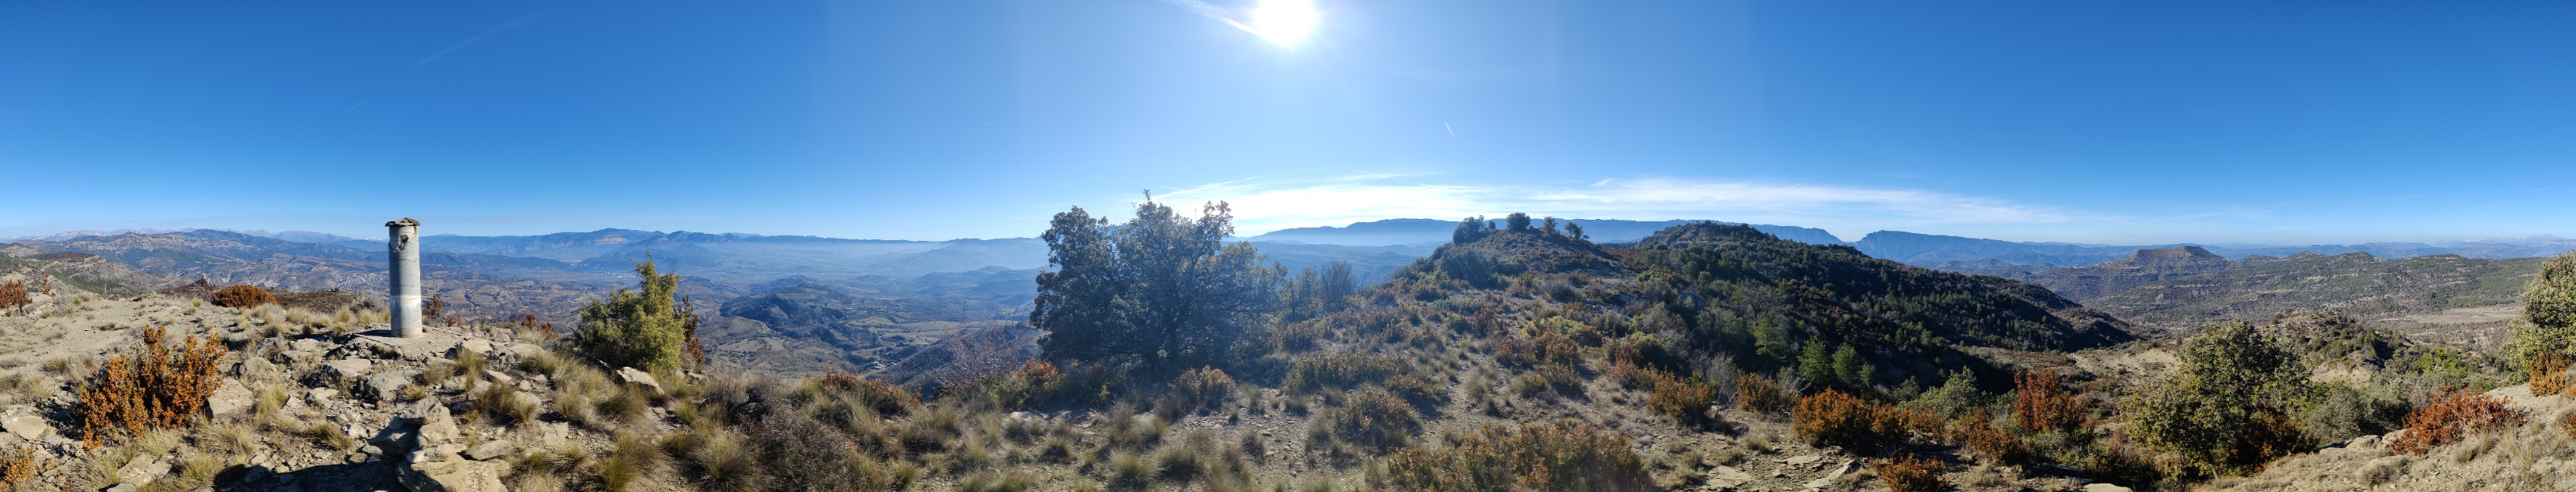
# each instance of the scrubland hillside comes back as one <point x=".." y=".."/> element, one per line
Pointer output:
<point x="1522" y="357"/>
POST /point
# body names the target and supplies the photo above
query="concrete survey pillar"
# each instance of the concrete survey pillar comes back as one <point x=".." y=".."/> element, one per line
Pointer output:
<point x="403" y="250"/>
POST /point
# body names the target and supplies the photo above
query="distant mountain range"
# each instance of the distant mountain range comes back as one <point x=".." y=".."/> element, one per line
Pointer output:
<point x="1435" y="231"/>
<point x="1932" y="250"/>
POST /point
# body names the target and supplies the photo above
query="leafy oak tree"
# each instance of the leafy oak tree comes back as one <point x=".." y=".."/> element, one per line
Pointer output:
<point x="1161" y="290"/>
<point x="2228" y="408"/>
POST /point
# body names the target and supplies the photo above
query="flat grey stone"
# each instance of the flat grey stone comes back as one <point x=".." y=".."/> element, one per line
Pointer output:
<point x="29" y="427"/>
<point x="635" y="377"/>
<point x="1804" y="460"/>
<point x="348" y="369"/>
<point x="230" y="399"/>
<point x="489" y="450"/>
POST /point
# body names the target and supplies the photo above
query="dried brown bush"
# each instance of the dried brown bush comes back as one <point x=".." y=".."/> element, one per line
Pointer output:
<point x="242" y="296"/>
<point x="1757" y="394"/>
<point x="2454" y="414"/>
<point x="21" y="466"/>
<point x="158" y="385"/>
<point x="1684" y="399"/>
<point x="13" y="295"/>
<point x="1832" y="417"/>
<point x="1541" y="348"/>
<point x="529" y="323"/>
<point x="2041" y="404"/>
<point x="1993" y="445"/>
<point x="1200" y="388"/>
<point x="1909" y="474"/>
<point x="1536" y="457"/>
<point x="2548" y="371"/>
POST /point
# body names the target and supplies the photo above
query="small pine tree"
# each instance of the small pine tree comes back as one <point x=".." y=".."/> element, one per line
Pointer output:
<point x="1516" y="222"/>
<point x="647" y="330"/>
<point x="1575" y="230"/>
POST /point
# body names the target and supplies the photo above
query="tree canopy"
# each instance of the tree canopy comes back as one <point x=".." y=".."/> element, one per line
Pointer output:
<point x="1161" y="289"/>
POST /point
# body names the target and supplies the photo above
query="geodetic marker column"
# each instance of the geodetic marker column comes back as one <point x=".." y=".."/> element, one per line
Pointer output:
<point x="403" y="249"/>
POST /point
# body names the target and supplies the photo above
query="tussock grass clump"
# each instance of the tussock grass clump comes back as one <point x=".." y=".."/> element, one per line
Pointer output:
<point x="1338" y="370"/>
<point x="1534" y="457"/>
<point x="504" y="406"/>
<point x="1374" y="418"/>
<point x="156" y="386"/>
<point x="1198" y="389"/>
<point x="2454" y="414"/>
<point x="880" y="396"/>
<point x="242" y="296"/>
<point x="803" y="454"/>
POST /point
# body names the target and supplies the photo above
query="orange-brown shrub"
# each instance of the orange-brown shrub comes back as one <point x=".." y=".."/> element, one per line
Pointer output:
<point x="1535" y="458"/>
<point x="1897" y="421"/>
<point x="2567" y="424"/>
<point x="2454" y="414"/>
<point x="21" y="466"/>
<point x="530" y="323"/>
<point x="158" y="385"/>
<point x="1541" y="348"/>
<point x="1832" y="417"/>
<point x="2042" y="404"/>
<point x="1202" y="387"/>
<point x="886" y="399"/>
<point x="2548" y="371"/>
<point x="1757" y="394"/>
<point x="1684" y="399"/>
<point x="242" y="296"/>
<point x="14" y="294"/>
<point x="1981" y="437"/>
<point x="1909" y="474"/>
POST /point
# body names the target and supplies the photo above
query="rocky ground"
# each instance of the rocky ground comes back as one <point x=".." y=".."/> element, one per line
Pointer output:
<point x="313" y="402"/>
<point x="2538" y="455"/>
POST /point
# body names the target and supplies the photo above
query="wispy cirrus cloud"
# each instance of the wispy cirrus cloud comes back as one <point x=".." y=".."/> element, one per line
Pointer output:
<point x="1265" y="203"/>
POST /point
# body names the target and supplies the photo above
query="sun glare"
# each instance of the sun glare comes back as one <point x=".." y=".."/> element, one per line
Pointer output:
<point x="1283" y="21"/>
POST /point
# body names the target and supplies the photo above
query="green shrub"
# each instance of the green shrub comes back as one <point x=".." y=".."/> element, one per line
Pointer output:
<point x="1535" y="458"/>
<point x="2225" y="410"/>
<point x="647" y="330"/>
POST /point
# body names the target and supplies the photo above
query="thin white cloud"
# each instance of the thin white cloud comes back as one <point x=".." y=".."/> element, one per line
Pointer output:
<point x="1267" y="204"/>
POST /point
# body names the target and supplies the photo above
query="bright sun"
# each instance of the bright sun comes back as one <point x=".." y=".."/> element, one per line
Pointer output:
<point x="1283" y="21"/>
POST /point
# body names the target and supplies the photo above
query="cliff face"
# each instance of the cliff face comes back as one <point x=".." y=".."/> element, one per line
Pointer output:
<point x="2140" y="268"/>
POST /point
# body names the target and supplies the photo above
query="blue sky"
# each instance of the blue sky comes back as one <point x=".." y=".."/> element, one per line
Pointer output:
<point x="2104" y="122"/>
